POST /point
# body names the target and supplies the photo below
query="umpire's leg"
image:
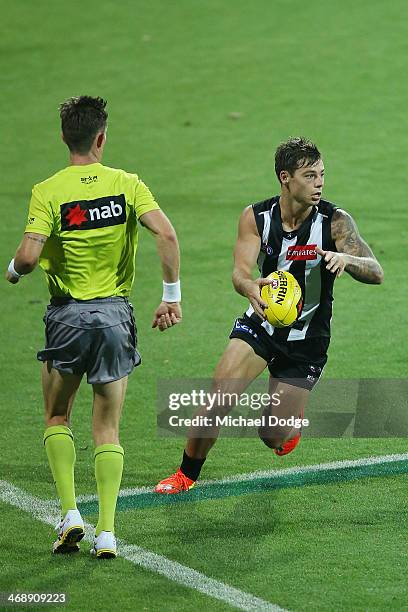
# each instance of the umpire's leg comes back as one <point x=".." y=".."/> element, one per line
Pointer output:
<point x="59" y="392"/>
<point x="107" y="409"/>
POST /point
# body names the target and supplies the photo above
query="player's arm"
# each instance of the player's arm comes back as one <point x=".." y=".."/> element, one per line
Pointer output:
<point x="26" y="257"/>
<point x="169" y="311"/>
<point x="245" y="256"/>
<point x="354" y="255"/>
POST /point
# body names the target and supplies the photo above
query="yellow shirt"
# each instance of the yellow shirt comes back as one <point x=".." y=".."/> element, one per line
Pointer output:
<point x="90" y="215"/>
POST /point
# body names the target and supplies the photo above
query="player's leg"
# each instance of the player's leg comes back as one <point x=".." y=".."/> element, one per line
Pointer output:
<point x="107" y="409"/>
<point x="295" y="370"/>
<point x="59" y="391"/>
<point x="292" y="402"/>
<point x="237" y="368"/>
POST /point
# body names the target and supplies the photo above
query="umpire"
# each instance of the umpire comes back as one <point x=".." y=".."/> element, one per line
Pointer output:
<point x="82" y="229"/>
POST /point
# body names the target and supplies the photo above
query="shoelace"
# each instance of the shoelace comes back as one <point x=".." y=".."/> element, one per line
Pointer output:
<point x="180" y="477"/>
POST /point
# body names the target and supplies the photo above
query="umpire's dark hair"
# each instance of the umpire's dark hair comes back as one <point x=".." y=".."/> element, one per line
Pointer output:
<point x="295" y="153"/>
<point x="82" y="118"/>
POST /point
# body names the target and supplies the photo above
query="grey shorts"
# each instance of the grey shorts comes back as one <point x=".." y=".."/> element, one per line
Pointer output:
<point x="93" y="336"/>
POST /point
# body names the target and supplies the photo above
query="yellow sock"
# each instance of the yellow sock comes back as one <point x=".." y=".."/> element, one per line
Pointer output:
<point x="108" y="474"/>
<point x="60" y="449"/>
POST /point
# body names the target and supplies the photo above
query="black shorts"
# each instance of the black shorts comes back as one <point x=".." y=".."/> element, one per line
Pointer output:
<point x="299" y="363"/>
<point x="96" y="337"/>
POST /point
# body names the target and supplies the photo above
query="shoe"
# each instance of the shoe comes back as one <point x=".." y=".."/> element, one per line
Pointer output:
<point x="176" y="483"/>
<point x="288" y="447"/>
<point x="104" y="546"/>
<point x="70" y="532"/>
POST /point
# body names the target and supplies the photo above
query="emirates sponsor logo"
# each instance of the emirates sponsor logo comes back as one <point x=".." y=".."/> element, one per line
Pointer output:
<point x="301" y="252"/>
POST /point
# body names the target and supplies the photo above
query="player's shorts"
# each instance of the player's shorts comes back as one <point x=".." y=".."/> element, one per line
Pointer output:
<point x="96" y="337"/>
<point x="299" y="363"/>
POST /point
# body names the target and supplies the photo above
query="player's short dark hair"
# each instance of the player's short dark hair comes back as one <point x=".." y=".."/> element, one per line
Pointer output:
<point x="82" y="118"/>
<point x="295" y="153"/>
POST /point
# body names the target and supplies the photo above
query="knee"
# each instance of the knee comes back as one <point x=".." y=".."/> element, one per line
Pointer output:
<point x="272" y="442"/>
<point x="273" y="438"/>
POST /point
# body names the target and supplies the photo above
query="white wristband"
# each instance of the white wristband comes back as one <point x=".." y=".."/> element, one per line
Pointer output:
<point x="13" y="271"/>
<point x="171" y="292"/>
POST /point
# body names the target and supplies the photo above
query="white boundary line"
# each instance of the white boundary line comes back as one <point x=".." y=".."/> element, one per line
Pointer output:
<point x="48" y="512"/>
<point x="319" y="467"/>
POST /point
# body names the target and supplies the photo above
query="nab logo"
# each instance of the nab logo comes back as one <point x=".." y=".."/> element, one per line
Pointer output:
<point x="301" y="252"/>
<point x="93" y="214"/>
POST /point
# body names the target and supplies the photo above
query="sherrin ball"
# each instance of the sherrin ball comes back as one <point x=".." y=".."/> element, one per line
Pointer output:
<point x="284" y="299"/>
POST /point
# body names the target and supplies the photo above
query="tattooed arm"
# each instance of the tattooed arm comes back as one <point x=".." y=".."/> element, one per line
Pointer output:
<point x="27" y="255"/>
<point x="354" y="255"/>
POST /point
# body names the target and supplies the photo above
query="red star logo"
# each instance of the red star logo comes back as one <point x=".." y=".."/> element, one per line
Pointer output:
<point x="76" y="216"/>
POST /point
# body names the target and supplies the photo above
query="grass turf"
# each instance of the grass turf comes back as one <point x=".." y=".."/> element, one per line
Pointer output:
<point x="318" y="548"/>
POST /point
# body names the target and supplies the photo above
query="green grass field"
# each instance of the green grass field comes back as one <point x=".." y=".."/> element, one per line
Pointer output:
<point x="173" y="73"/>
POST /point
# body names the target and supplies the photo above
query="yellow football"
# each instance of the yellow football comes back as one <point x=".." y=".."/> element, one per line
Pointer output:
<point x="284" y="299"/>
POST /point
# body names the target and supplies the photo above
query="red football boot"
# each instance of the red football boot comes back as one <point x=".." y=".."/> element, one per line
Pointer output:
<point x="176" y="483"/>
<point x="289" y="445"/>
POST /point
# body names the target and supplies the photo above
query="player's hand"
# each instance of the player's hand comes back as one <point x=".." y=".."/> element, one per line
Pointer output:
<point x="11" y="279"/>
<point x="167" y="315"/>
<point x="253" y="293"/>
<point x="335" y="262"/>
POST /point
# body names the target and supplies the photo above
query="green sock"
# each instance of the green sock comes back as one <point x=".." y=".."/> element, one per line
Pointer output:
<point x="108" y="474"/>
<point x="60" y="449"/>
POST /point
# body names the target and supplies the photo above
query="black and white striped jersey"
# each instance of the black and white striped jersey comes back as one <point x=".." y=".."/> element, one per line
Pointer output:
<point x="295" y="251"/>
